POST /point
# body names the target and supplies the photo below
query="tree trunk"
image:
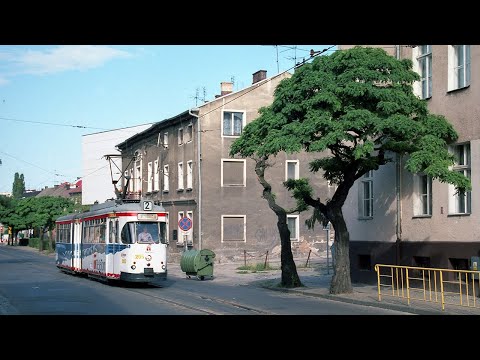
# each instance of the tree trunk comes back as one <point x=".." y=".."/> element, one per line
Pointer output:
<point x="290" y="278"/>
<point x="341" y="282"/>
<point x="50" y="245"/>
<point x="40" y="245"/>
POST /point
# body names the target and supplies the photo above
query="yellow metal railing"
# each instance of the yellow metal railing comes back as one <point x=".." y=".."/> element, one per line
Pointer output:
<point x="444" y="286"/>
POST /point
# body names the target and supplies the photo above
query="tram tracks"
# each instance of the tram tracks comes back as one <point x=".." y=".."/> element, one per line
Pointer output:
<point x="236" y="308"/>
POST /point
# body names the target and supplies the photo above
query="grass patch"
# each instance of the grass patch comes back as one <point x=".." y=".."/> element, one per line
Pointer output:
<point x="257" y="267"/>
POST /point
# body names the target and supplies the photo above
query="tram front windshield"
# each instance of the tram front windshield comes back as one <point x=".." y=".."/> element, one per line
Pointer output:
<point x="143" y="233"/>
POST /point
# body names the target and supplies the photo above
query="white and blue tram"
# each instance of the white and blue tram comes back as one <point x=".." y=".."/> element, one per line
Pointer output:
<point x="106" y="242"/>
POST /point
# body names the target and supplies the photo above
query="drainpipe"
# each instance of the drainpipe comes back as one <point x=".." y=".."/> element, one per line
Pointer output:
<point x="398" y="184"/>
<point x="195" y="112"/>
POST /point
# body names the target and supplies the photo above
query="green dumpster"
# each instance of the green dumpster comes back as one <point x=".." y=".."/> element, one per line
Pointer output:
<point x="197" y="263"/>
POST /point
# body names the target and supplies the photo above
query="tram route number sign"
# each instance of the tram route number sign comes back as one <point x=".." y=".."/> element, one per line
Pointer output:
<point x="185" y="223"/>
<point x="148" y="205"/>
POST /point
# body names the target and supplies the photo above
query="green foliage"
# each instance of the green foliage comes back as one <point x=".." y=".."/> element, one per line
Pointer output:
<point x="356" y="108"/>
<point x="18" y="188"/>
<point x="34" y="212"/>
<point x="35" y="243"/>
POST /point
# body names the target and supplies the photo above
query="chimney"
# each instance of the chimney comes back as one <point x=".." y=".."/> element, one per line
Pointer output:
<point x="259" y="76"/>
<point x="226" y="88"/>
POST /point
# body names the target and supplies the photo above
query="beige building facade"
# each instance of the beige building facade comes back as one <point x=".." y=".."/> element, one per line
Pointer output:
<point x="416" y="221"/>
<point x="184" y="164"/>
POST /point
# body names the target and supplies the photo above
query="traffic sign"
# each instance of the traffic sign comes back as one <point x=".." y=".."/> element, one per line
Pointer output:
<point x="185" y="223"/>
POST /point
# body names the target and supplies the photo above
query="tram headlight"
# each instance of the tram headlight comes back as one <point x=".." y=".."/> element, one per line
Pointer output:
<point x="133" y="267"/>
<point x="163" y="267"/>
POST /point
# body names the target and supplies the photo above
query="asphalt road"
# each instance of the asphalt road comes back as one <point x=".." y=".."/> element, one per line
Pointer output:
<point x="30" y="284"/>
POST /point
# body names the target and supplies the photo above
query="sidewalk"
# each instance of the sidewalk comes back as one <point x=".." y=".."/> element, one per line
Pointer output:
<point x="316" y="283"/>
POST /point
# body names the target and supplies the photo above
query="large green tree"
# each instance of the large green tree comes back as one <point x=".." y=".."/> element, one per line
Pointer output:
<point x="357" y="109"/>
<point x="18" y="188"/>
<point x="34" y="213"/>
<point x="7" y="213"/>
<point x="41" y="212"/>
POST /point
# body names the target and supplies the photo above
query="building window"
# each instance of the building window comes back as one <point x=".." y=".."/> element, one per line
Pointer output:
<point x="189" y="233"/>
<point x="292" y="222"/>
<point x="460" y="203"/>
<point x="233" y="123"/>
<point x="424" y="59"/>
<point x="165" y="140"/>
<point x="365" y="196"/>
<point x="233" y="172"/>
<point x="167" y="231"/>
<point x="137" y="186"/>
<point x="149" y="177"/>
<point x="189" y="134"/>
<point x="422" y="200"/>
<point x="459" y="264"/>
<point x="189" y="174"/>
<point x="156" y="176"/>
<point x="181" y="234"/>
<point x="125" y="179"/>
<point x="130" y="184"/>
<point x="364" y="262"/>
<point x="458" y="66"/>
<point x="180" y="176"/>
<point x="291" y="169"/>
<point x="180" y="136"/>
<point x="166" y="186"/>
<point x="234" y="228"/>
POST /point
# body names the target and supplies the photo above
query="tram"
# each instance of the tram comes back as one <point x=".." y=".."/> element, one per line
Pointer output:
<point x="117" y="240"/>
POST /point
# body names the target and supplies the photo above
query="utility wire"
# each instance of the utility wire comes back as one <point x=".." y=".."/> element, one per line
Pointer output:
<point x="313" y="54"/>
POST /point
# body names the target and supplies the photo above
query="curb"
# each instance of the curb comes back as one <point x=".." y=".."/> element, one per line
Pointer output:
<point x="379" y="304"/>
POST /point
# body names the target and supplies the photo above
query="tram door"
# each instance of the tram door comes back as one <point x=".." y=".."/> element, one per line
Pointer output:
<point x="113" y="253"/>
<point x="77" y="249"/>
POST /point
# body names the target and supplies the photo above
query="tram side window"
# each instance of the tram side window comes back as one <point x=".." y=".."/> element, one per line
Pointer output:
<point x="163" y="233"/>
<point x="113" y="231"/>
<point x="126" y="235"/>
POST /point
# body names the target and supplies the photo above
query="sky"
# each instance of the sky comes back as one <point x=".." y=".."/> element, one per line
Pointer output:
<point x="52" y="95"/>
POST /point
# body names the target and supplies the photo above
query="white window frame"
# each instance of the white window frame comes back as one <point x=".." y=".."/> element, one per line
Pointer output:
<point x="180" y="232"/>
<point x="297" y="169"/>
<point x="180" y="176"/>
<point x="365" y="203"/>
<point x="189" y="133"/>
<point x="190" y="232"/>
<point x="244" y="228"/>
<point x="244" y="184"/>
<point x="459" y="204"/>
<point x="180" y="136"/>
<point x="168" y="228"/>
<point x="296" y="236"/>
<point x="166" y="182"/>
<point x="244" y="122"/>
<point x="422" y="200"/>
<point x="165" y="140"/>
<point x="423" y="88"/>
<point x="455" y="68"/>
<point x="156" y="176"/>
<point x="189" y="174"/>
<point x="149" y="176"/>
<point x="130" y="184"/>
